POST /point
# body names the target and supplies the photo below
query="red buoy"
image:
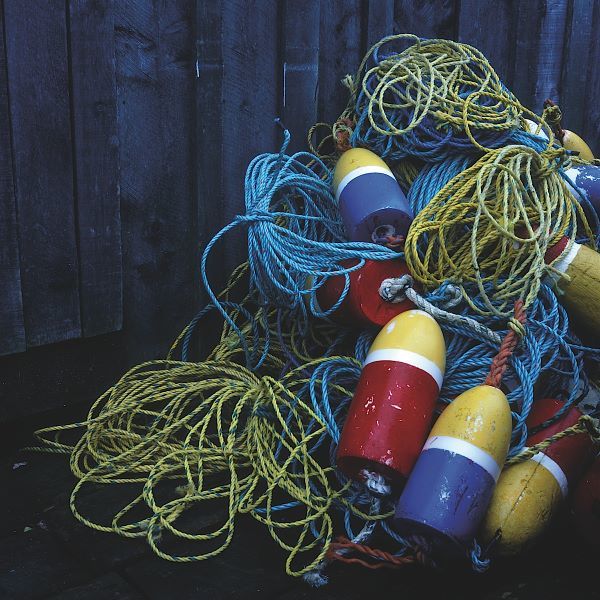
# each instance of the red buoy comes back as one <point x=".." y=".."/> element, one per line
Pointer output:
<point x="572" y="453"/>
<point x="391" y="411"/>
<point x="363" y="305"/>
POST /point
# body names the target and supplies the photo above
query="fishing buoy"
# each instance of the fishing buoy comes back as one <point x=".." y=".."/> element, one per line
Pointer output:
<point x="363" y="305"/>
<point x="391" y="411"/>
<point x="587" y="179"/>
<point x="580" y="293"/>
<point x="585" y="506"/>
<point x="571" y="141"/>
<point x="372" y="205"/>
<point x="530" y="494"/>
<point x="448" y="491"/>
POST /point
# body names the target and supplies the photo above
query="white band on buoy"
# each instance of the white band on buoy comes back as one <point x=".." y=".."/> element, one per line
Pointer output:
<point x="357" y="173"/>
<point x="466" y="449"/>
<point x="409" y="358"/>
<point x="555" y="470"/>
<point x="563" y="263"/>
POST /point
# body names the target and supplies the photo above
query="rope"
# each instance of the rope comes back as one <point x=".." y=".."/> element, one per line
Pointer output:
<point x="509" y="343"/>
<point x="397" y="289"/>
<point x="295" y="237"/>
<point x="383" y="559"/>
<point x="492" y="223"/>
<point x="434" y="97"/>
<point x="254" y="427"/>
<point x="586" y="424"/>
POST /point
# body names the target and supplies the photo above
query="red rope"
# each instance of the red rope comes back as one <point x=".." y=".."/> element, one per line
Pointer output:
<point x="384" y="559"/>
<point x="509" y="343"/>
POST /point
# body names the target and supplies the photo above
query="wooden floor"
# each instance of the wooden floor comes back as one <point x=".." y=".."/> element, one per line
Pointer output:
<point x="46" y="553"/>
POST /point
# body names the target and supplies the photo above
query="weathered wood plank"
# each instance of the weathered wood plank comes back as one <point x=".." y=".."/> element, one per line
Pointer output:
<point x="156" y="76"/>
<point x="96" y="161"/>
<point x="209" y="125"/>
<point x="250" y="101"/>
<point x="300" y="69"/>
<point x="576" y="62"/>
<point x="340" y="52"/>
<point x="489" y="25"/>
<point x="12" y="330"/>
<point x="427" y="18"/>
<point x="539" y="46"/>
<point x="36" y="42"/>
<point x="591" y="122"/>
<point x="380" y="20"/>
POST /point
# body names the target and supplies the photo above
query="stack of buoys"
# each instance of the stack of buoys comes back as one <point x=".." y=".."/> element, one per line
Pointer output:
<point x="406" y="353"/>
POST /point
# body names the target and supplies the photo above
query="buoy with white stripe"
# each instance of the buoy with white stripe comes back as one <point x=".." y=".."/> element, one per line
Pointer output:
<point x="363" y="305"/>
<point x="391" y="411"/>
<point x="580" y="293"/>
<point x="448" y="491"/>
<point x="586" y="178"/>
<point x="531" y="493"/>
<point x="371" y="202"/>
<point x="585" y="506"/>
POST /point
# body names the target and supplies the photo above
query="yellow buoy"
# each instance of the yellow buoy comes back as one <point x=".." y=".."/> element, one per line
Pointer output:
<point x="571" y="141"/>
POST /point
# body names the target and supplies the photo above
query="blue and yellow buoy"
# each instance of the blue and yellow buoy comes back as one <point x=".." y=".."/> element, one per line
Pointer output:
<point x="370" y="200"/>
<point x="449" y="489"/>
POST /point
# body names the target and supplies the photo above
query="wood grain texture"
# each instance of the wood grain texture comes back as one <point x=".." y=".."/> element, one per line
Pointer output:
<point x="96" y="158"/>
<point x="156" y="124"/>
<point x="341" y="49"/>
<point x="209" y="119"/>
<point x="38" y="80"/>
<point x="250" y="103"/>
<point x="300" y="69"/>
<point x="489" y="25"/>
<point x="591" y="109"/>
<point x="579" y="43"/>
<point x="380" y="20"/>
<point x="538" y="55"/>
<point x="427" y="18"/>
<point x="12" y="329"/>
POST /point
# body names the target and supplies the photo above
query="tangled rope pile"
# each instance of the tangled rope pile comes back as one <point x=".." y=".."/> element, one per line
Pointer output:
<point x="253" y="428"/>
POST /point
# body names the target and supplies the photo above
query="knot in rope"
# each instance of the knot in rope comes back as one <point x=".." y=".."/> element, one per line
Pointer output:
<point x="256" y="216"/>
<point x="342" y="130"/>
<point x="394" y="289"/>
<point x="552" y="113"/>
<point x="397" y="289"/>
<point x="376" y="483"/>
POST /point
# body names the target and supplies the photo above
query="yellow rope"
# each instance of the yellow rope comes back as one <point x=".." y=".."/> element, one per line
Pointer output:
<point x="185" y="435"/>
<point x="427" y="78"/>
<point x="492" y="224"/>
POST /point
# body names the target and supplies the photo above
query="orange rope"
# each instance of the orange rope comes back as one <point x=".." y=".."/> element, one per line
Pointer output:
<point x="384" y="559"/>
<point x="509" y="343"/>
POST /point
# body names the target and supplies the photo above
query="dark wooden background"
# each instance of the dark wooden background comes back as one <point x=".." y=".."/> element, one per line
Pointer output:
<point x="126" y="127"/>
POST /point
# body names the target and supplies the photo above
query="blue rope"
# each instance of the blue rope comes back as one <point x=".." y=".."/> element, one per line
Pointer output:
<point x="295" y="237"/>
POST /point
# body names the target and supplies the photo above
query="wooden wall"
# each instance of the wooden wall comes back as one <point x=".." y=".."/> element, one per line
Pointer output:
<point x="126" y="127"/>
